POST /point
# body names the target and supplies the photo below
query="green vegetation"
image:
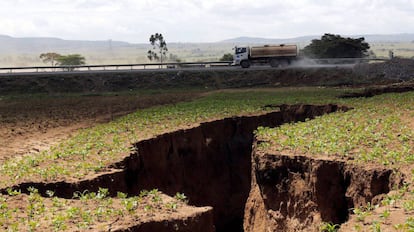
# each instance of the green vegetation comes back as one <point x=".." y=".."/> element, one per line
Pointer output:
<point x="85" y="211"/>
<point x="58" y="59"/>
<point x="329" y="227"/>
<point x="227" y="57"/>
<point x="93" y="150"/>
<point x="377" y="130"/>
<point x="336" y="46"/>
<point x="376" y="217"/>
<point x="50" y="57"/>
<point x="70" y="60"/>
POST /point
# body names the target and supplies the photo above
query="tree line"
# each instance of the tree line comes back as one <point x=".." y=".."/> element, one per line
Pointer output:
<point x="336" y="46"/>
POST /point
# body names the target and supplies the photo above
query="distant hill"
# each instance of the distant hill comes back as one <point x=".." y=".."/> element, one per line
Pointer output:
<point x="10" y="44"/>
<point x="257" y="40"/>
<point x="397" y="38"/>
<point x="307" y="39"/>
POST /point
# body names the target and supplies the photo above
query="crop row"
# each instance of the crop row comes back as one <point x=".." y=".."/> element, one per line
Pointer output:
<point x="85" y="211"/>
<point x="377" y="130"/>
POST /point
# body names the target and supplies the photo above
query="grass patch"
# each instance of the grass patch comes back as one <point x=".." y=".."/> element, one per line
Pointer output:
<point x="85" y="211"/>
<point x="379" y="129"/>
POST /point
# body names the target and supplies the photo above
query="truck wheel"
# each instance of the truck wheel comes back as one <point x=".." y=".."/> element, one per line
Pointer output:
<point x="284" y="63"/>
<point x="274" y="63"/>
<point x="245" y="63"/>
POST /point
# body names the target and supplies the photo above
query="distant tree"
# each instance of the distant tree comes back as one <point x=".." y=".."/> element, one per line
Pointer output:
<point x="174" y="58"/>
<point x="227" y="57"/>
<point x="50" y="57"/>
<point x="71" y="60"/>
<point x="335" y="46"/>
<point x="159" y="48"/>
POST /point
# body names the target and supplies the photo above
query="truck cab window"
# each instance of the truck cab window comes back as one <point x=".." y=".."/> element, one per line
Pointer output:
<point x="240" y="50"/>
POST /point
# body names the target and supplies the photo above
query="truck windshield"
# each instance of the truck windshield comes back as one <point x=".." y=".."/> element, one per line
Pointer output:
<point x="240" y="50"/>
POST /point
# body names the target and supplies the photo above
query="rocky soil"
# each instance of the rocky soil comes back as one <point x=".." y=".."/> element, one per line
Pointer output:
<point x="396" y="69"/>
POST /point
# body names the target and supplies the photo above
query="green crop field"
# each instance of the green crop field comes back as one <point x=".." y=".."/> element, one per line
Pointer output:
<point x="377" y="130"/>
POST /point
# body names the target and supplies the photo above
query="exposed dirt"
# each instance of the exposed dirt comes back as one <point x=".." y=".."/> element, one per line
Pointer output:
<point x="187" y="218"/>
<point x="33" y="125"/>
<point x="378" y="90"/>
<point x="206" y="79"/>
<point x="298" y="193"/>
<point x="397" y="69"/>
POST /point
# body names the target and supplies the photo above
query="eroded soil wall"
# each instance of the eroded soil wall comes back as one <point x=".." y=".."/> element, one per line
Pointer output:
<point x="211" y="164"/>
<point x="297" y="193"/>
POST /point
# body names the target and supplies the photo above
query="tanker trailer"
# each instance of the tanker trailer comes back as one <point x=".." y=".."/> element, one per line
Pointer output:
<point x="275" y="55"/>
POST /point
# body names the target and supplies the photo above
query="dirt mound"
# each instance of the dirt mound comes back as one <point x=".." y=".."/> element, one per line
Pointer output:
<point x="378" y="90"/>
<point x="29" y="126"/>
<point x="396" y="69"/>
<point x="184" y="79"/>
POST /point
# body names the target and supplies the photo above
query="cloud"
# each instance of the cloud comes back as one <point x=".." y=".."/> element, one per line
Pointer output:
<point x="200" y="20"/>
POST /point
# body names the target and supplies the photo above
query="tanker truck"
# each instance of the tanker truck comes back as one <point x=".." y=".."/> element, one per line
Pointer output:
<point x="275" y="55"/>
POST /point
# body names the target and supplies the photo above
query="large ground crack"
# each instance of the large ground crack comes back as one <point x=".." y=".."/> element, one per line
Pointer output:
<point x="212" y="165"/>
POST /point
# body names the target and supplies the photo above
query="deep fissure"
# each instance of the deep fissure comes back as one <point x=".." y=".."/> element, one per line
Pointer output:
<point x="212" y="165"/>
<point x="296" y="189"/>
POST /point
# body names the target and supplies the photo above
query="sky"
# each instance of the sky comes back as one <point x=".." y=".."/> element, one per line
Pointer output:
<point x="202" y="20"/>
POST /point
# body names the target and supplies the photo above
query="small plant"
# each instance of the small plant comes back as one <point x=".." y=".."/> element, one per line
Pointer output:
<point x="121" y="195"/>
<point x="50" y="193"/>
<point x="360" y="214"/>
<point x="410" y="223"/>
<point x="408" y="205"/>
<point x="143" y="193"/>
<point x="376" y="226"/>
<point x="385" y="215"/>
<point x="130" y="204"/>
<point x="148" y="208"/>
<point x="357" y="227"/>
<point x="13" y="192"/>
<point x="82" y="195"/>
<point x="329" y="227"/>
<point x="171" y="205"/>
<point x="102" y="193"/>
<point x="370" y="207"/>
<point x="73" y="212"/>
<point x="155" y="196"/>
<point x="181" y="197"/>
<point x="400" y="227"/>
<point x="58" y="222"/>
